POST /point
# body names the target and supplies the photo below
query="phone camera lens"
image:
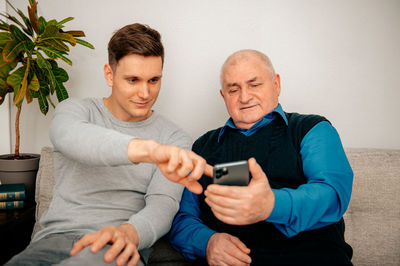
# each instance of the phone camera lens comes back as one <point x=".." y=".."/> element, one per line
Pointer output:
<point x="224" y="171"/>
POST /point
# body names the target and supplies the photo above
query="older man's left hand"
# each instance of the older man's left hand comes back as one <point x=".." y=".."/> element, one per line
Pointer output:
<point x="242" y="205"/>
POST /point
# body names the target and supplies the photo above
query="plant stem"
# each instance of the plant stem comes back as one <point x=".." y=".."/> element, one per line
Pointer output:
<point x="16" y="151"/>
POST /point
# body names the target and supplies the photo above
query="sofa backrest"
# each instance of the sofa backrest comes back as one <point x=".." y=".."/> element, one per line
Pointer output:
<point x="44" y="185"/>
<point x="372" y="220"/>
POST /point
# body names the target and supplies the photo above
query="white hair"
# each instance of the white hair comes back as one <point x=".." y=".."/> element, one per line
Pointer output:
<point x="243" y="54"/>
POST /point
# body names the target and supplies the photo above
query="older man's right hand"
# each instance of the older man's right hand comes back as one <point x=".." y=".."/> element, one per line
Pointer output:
<point x="242" y="205"/>
<point x="224" y="249"/>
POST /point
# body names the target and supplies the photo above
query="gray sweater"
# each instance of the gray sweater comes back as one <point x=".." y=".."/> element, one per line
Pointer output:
<point x="96" y="184"/>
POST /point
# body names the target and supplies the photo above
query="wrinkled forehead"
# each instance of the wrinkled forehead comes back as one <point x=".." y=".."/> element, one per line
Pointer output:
<point x="246" y="61"/>
<point x="244" y="69"/>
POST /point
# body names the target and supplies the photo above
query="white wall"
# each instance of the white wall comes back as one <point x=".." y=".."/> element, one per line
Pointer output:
<point x="337" y="58"/>
<point x="5" y="136"/>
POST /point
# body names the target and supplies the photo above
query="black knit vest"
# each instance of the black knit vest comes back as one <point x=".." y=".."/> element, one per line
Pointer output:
<point x="276" y="148"/>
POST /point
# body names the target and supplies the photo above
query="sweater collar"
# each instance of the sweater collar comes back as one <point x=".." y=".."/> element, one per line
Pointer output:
<point x="268" y="118"/>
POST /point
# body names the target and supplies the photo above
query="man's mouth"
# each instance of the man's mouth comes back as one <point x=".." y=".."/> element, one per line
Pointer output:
<point x="245" y="108"/>
<point x="141" y="104"/>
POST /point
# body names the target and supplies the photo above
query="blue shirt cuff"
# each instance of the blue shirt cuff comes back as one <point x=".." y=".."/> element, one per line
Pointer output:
<point x="203" y="236"/>
<point x="282" y="208"/>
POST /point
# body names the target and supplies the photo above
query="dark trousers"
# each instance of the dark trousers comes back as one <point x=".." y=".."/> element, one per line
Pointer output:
<point x="54" y="250"/>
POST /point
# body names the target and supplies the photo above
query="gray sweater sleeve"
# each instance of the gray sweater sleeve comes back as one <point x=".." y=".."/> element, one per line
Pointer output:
<point x="76" y="138"/>
<point x="162" y="202"/>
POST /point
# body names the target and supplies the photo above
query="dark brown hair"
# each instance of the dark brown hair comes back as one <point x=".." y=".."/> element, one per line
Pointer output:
<point x="134" y="39"/>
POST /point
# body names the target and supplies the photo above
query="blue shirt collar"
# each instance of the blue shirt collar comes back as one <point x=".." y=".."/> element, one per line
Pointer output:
<point x="268" y="118"/>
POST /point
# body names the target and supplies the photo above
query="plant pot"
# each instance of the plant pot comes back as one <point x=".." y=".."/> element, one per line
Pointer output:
<point x="21" y="171"/>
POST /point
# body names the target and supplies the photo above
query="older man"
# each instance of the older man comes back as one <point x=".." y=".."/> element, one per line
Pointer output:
<point x="291" y="212"/>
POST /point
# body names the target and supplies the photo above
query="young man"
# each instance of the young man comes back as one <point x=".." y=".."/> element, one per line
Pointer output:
<point x="111" y="157"/>
<point x="291" y="212"/>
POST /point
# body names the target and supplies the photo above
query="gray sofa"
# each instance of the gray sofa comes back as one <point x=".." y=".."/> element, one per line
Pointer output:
<point x="372" y="219"/>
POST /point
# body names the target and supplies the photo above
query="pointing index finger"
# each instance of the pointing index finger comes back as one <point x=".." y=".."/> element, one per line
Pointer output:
<point x="208" y="170"/>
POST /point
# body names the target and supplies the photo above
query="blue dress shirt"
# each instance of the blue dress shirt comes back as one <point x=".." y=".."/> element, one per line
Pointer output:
<point x="318" y="203"/>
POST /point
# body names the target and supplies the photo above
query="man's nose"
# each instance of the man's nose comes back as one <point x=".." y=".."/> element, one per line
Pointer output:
<point x="245" y="96"/>
<point x="144" y="90"/>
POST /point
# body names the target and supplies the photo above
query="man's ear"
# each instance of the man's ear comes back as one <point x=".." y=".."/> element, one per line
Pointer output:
<point x="277" y="83"/>
<point x="220" y="92"/>
<point x="108" y="74"/>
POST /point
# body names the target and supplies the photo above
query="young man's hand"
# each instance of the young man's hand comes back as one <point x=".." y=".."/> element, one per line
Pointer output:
<point x="123" y="239"/>
<point x="225" y="249"/>
<point x="178" y="165"/>
<point x="242" y="205"/>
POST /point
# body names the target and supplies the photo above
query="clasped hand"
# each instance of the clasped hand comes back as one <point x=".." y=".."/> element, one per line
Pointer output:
<point x="242" y="205"/>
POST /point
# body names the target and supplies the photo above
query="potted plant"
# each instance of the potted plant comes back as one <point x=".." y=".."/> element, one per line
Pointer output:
<point x="30" y="47"/>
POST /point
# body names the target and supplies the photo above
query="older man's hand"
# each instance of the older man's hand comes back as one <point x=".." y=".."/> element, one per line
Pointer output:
<point x="242" y="205"/>
<point x="225" y="249"/>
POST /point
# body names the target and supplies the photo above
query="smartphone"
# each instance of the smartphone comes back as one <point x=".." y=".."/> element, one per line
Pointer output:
<point x="231" y="174"/>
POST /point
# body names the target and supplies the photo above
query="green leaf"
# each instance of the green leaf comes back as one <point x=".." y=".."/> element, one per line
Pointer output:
<point x="3" y="25"/>
<point x="34" y="84"/>
<point x="43" y="87"/>
<point x="53" y="64"/>
<point x="12" y="49"/>
<point x="52" y="32"/>
<point x="15" y="20"/>
<point x="21" y="93"/>
<point x="61" y="92"/>
<point x="54" y="54"/>
<point x="15" y="79"/>
<point x="43" y="104"/>
<point x="41" y="95"/>
<point x="42" y="24"/>
<point x="27" y="23"/>
<point x="18" y="44"/>
<point x="3" y="85"/>
<point x="45" y="49"/>
<point x="84" y="43"/>
<point x="55" y="44"/>
<point x="18" y="34"/>
<point x="46" y="65"/>
<point x="60" y="74"/>
<point x="3" y="90"/>
<point x="6" y="67"/>
<point x="53" y="82"/>
<point x="5" y="37"/>
<point x="52" y="22"/>
<point x="43" y="63"/>
<point x="64" y="21"/>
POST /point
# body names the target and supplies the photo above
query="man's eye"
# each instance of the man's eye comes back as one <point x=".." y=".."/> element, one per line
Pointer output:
<point x="154" y="80"/>
<point x="233" y="91"/>
<point x="132" y="80"/>
<point x="254" y="85"/>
